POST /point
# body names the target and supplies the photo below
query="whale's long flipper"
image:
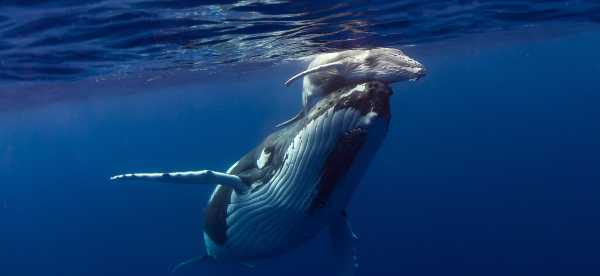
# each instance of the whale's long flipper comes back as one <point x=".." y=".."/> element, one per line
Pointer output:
<point x="192" y="177"/>
<point x="343" y="242"/>
<point x="312" y="70"/>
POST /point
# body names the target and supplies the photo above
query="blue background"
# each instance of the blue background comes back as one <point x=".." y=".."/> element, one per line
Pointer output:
<point x="491" y="167"/>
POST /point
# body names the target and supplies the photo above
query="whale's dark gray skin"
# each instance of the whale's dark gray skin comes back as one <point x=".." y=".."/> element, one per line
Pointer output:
<point x="296" y="183"/>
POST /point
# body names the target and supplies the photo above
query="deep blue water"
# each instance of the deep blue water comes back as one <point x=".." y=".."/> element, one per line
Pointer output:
<point x="491" y="165"/>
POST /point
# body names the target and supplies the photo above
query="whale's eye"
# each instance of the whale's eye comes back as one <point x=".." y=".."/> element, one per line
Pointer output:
<point x="370" y="61"/>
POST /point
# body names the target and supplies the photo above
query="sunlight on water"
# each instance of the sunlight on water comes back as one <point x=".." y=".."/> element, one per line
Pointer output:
<point x="57" y="40"/>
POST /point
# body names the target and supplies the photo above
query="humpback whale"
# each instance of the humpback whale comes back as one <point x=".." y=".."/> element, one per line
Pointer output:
<point x="297" y="182"/>
<point x="329" y="72"/>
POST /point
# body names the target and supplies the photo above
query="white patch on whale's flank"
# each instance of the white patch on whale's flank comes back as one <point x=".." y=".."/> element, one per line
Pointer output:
<point x="263" y="159"/>
<point x="367" y="119"/>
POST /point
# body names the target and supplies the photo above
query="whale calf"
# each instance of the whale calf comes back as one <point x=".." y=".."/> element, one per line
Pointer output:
<point x="330" y="71"/>
<point x="295" y="183"/>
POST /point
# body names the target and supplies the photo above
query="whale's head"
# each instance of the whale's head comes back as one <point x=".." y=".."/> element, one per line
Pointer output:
<point x="384" y="64"/>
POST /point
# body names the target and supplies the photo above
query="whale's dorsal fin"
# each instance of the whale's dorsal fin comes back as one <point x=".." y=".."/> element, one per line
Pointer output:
<point x="191" y="177"/>
<point x="313" y="70"/>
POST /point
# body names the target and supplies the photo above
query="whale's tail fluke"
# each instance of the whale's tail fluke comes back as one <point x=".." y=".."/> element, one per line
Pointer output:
<point x="191" y="177"/>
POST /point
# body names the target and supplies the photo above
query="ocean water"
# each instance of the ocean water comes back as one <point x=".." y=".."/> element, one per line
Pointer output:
<point x="491" y="165"/>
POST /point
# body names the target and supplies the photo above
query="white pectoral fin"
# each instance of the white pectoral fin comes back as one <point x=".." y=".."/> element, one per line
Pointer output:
<point x="343" y="243"/>
<point x="192" y="177"/>
<point x="312" y="70"/>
